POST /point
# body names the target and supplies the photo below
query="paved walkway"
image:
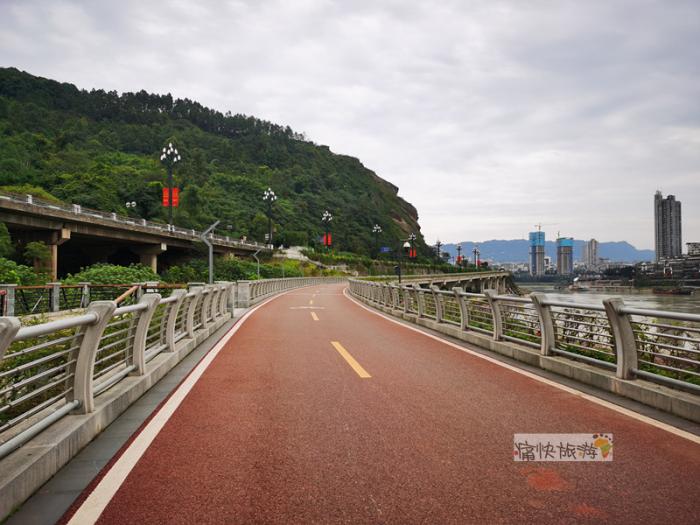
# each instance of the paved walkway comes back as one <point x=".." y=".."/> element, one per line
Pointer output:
<point x="317" y="410"/>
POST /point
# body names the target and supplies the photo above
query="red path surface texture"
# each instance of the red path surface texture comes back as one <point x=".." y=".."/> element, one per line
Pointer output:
<point x="282" y="428"/>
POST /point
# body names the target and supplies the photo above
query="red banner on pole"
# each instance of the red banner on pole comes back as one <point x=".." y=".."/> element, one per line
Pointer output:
<point x="327" y="239"/>
<point x="166" y="197"/>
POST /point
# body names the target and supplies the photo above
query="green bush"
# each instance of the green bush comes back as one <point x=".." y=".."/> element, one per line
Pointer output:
<point x="226" y="269"/>
<point x="112" y="274"/>
<point x="28" y="189"/>
<point x="13" y="273"/>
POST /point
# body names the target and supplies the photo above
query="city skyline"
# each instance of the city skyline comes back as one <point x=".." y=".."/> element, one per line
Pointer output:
<point x="488" y="117"/>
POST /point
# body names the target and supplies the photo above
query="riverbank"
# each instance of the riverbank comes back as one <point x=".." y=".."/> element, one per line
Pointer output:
<point x="643" y="297"/>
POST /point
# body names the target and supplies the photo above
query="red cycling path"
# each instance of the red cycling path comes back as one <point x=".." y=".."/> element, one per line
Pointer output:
<point x="280" y="427"/>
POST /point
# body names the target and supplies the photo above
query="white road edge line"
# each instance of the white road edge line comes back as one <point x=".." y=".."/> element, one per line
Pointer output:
<point x="102" y="494"/>
<point x="612" y="406"/>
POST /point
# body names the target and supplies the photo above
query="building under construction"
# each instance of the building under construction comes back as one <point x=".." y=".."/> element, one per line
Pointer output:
<point x="565" y="255"/>
<point x="537" y="253"/>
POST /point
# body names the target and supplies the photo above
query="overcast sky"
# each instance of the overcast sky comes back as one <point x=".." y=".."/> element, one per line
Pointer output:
<point x="489" y="116"/>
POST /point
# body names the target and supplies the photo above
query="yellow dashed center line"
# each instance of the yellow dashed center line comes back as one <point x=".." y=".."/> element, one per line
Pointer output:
<point x="314" y="316"/>
<point x="350" y="360"/>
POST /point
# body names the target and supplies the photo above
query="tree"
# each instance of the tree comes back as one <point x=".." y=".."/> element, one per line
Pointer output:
<point x="6" y="248"/>
<point x="38" y="253"/>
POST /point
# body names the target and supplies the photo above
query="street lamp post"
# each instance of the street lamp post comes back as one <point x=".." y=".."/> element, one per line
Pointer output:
<point x="170" y="157"/>
<point x="269" y="197"/>
<point x="377" y="231"/>
<point x="411" y="243"/>
<point x="438" y="245"/>
<point x="459" y="255"/>
<point x="326" y="219"/>
<point x="404" y="246"/>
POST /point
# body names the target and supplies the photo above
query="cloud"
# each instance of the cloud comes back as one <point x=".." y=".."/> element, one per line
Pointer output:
<point x="490" y="116"/>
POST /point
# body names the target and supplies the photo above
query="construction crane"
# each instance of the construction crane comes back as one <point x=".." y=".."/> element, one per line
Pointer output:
<point x="539" y="225"/>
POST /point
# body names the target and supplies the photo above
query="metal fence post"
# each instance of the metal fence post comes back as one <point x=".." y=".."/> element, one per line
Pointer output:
<point x="85" y="296"/>
<point x="437" y="297"/>
<point x="214" y="302"/>
<point x="173" y="310"/>
<point x="395" y="291"/>
<point x="496" y="313"/>
<point x="463" y="308"/>
<point x="625" y="345"/>
<point x="544" y="312"/>
<point x="9" y="299"/>
<point x="228" y="297"/>
<point x="386" y="294"/>
<point x="84" y="367"/>
<point x="8" y="329"/>
<point x="420" y="300"/>
<point x="206" y="305"/>
<point x="138" y="354"/>
<point x="243" y="294"/>
<point x="197" y="291"/>
<point x="54" y="297"/>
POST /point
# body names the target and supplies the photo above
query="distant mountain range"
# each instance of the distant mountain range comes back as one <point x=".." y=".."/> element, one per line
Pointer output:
<point x="516" y="250"/>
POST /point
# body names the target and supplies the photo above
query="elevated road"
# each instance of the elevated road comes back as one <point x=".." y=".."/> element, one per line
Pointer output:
<point x="314" y="409"/>
<point x="101" y="232"/>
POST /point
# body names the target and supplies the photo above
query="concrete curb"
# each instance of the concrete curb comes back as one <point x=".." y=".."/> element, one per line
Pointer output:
<point x="675" y="402"/>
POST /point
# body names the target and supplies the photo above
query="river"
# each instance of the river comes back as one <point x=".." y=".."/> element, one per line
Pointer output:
<point x="643" y="299"/>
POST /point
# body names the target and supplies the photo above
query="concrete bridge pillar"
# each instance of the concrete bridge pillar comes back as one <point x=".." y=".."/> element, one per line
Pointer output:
<point x="148" y="255"/>
<point x="53" y="240"/>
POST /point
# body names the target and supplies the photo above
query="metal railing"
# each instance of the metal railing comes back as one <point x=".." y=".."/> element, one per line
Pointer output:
<point x="56" y="297"/>
<point x="50" y="369"/>
<point x="656" y="345"/>
<point x="55" y="368"/>
<point x="86" y="214"/>
<point x="251" y="292"/>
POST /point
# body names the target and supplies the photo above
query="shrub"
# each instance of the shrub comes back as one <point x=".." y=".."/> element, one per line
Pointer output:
<point x="28" y="189"/>
<point x="112" y="274"/>
<point x="13" y="273"/>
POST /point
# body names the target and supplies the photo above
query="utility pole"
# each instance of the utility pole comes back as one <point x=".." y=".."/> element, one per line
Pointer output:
<point x="255" y="256"/>
<point x="206" y="241"/>
<point x="377" y="231"/>
<point x="438" y="245"/>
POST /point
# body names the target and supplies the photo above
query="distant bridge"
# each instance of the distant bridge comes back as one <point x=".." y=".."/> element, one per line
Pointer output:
<point x="96" y="236"/>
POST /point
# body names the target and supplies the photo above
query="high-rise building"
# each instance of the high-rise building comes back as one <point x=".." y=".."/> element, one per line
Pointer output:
<point x="565" y="255"/>
<point x="537" y="253"/>
<point x="590" y="254"/>
<point x="667" y="222"/>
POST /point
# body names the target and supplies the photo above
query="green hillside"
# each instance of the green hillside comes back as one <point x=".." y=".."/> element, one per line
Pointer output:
<point x="101" y="149"/>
